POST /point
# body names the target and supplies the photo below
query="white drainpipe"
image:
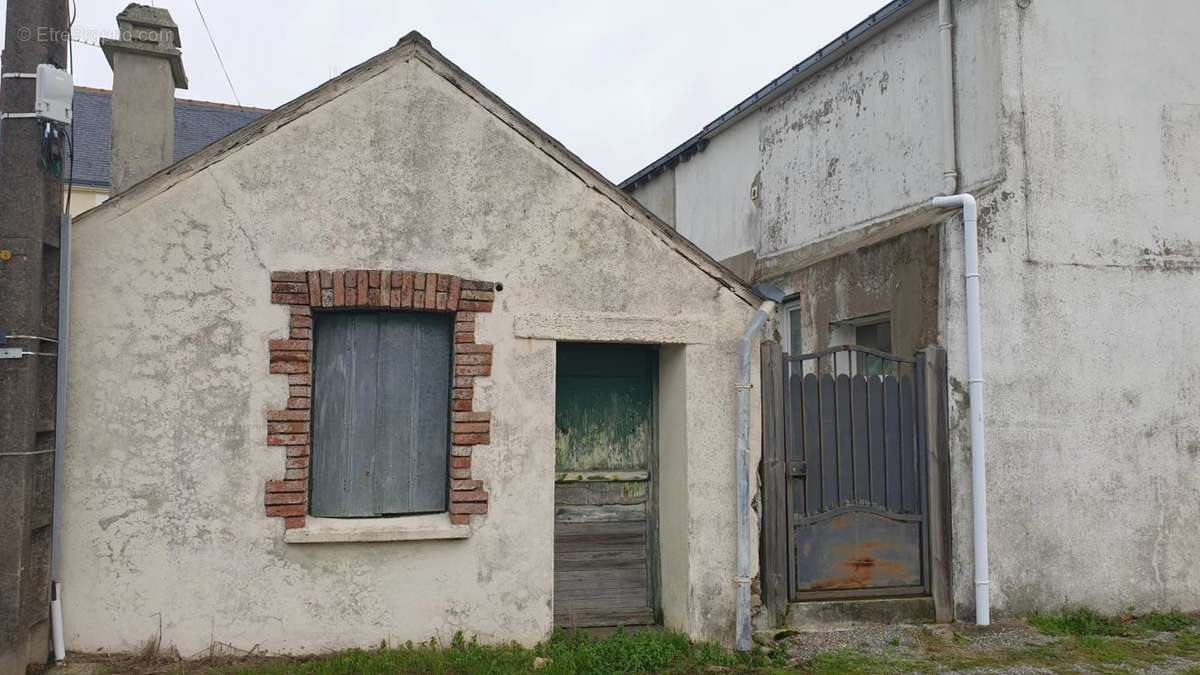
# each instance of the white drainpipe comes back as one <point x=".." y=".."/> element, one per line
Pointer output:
<point x="742" y="642"/>
<point x="949" y="147"/>
<point x="975" y="390"/>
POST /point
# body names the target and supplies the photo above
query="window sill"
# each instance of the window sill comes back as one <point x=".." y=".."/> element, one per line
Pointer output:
<point x="403" y="528"/>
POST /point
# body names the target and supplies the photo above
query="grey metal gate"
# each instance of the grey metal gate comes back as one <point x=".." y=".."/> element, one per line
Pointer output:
<point x="848" y="437"/>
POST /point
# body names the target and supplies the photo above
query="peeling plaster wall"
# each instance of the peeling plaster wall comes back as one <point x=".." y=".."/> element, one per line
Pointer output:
<point x="1079" y="132"/>
<point x="1091" y="290"/>
<point x="168" y="382"/>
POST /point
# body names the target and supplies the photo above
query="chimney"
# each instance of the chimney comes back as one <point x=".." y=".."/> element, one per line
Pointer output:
<point x="147" y="68"/>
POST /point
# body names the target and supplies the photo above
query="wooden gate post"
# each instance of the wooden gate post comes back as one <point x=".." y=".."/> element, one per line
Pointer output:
<point x="774" y="540"/>
<point x="938" y="467"/>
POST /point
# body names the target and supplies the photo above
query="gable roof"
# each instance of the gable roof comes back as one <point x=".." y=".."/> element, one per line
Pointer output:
<point x="197" y="123"/>
<point x="851" y="39"/>
<point x="416" y="45"/>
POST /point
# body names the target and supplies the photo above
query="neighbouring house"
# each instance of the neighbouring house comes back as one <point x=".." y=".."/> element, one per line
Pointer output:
<point x="1077" y="128"/>
<point x="390" y="363"/>
<point x="196" y="124"/>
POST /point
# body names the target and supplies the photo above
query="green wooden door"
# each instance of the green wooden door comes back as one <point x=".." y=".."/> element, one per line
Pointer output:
<point x="604" y="452"/>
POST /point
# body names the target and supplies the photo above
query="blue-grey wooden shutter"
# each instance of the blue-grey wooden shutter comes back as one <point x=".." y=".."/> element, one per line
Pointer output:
<point x="381" y="407"/>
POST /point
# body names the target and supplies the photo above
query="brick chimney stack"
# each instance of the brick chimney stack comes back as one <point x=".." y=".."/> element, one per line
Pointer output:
<point x="147" y="68"/>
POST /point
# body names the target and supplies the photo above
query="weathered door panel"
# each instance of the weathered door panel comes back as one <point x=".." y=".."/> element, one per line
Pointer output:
<point x="380" y="420"/>
<point x="604" y="445"/>
<point x="853" y="549"/>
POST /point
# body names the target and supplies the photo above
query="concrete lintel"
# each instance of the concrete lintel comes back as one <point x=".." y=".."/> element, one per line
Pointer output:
<point x="171" y="54"/>
<point x="402" y="528"/>
<point x="606" y="327"/>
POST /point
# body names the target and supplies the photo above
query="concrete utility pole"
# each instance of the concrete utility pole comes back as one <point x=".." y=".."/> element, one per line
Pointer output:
<point x="37" y="31"/>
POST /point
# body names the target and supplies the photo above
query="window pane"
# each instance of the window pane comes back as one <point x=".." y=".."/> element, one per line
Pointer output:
<point x="795" y="344"/>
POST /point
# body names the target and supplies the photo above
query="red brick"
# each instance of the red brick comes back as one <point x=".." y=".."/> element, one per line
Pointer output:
<point x="374" y="278"/>
<point x="462" y="393"/>
<point x="289" y="276"/>
<point x="300" y="391"/>
<point x="466" y="484"/>
<point x="277" y="357"/>
<point x="300" y="333"/>
<point x="297" y="451"/>
<point x="289" y="367"/>
<point x="326" y="279"/>
<point x="440" y="303"/>
<point x="460" y="474"/>
<point x="472" y="416"/>
<point x="464" y="336"/>
<point x="286" y="415"/>
<point x="289" y="298"/>
<point x="298" y="403"/>
<point x="351" y="294"/>
<point x="418" y="299"/>
<point x="418" y="281"/>
<point x="465" y="507"/>
<point x="464" y="317"/>
<point x="406" y="289"/>
<point x="461" y="450"/>
<point x="464" y="381"/>
<point x="460" y="519"/>
<point x="289" y="510"/>
<point x="397" y="298"/>
<point x="374" y="297"/>
<point x="443" y="283"/>
<point x="287" y="439"/>
<point x="468" y="427"/>
<point x="298" y="321"/>
<point x="475" y="305"/>
<point x="314" y="288"/>
<point x="472" y="349"/>
<point x="339" y="288"/>
<point x="477" y="371"/>
<point x="300" y="378"/>
<point x="478" y="285"/>
<point x="296" y="474"/>
<point x="455" y="463"/>
<point x="452" y="295"/>
<point x="468" y="439"/>
<point x="397" y="279"/>
<point x="297" y="463"/>
<point x="468" y="496"/>
<point x="472" y="359"/>
<point x="460" y="405"/>
<point x="279" y="498"/>
<point x="286" y="486"/>
<point x="302" y="310"/>
<point x="430" y="290"/>
<point x="327" y="297"/>
<point x="362" y="285"/>
<point x="287" y="427"/>
<point x="482" y="296"/>
<point x="288" y="287"/>
<point x="297" y="522"/>
<point x="351" y="278"/>
<point x="385" y="289"/>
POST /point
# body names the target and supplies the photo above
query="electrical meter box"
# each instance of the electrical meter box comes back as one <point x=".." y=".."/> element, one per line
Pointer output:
<point x="53" y="93"/>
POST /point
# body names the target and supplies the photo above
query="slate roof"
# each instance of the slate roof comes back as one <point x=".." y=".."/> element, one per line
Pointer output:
<point x="197" y="124"/>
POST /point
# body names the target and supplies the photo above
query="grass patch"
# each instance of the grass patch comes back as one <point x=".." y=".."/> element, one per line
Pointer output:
<point x="1078" y="623"/>
<point x="1171" y="622"/>
<point x="575" y="653"/>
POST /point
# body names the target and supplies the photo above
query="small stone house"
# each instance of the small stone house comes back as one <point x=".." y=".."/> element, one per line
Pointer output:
<point x="390" y="363"/>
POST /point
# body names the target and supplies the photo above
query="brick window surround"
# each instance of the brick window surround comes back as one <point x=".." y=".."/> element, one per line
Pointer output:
<point x="330" y="290"/>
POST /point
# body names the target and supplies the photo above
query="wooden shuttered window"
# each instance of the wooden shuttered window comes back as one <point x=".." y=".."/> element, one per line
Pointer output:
<point x="381" y="406"/>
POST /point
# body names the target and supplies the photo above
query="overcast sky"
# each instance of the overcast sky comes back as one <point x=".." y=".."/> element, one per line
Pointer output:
<point x="618" y="82"/>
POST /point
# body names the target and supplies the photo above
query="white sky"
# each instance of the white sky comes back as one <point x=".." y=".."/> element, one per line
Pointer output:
<point x="618" y="82"/>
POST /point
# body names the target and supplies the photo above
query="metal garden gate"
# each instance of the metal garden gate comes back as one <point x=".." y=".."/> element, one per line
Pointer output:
<point x="854" y="473"/>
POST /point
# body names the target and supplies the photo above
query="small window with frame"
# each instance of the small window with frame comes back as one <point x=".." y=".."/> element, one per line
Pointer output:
<point x="381" y="413"/>
<point x="874" y="332"/>
<point x="791" y="328"/>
